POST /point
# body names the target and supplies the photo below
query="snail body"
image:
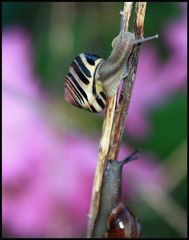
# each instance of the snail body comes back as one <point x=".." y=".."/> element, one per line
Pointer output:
<point x="114" y="219"/>
<point x="91" y="79"/>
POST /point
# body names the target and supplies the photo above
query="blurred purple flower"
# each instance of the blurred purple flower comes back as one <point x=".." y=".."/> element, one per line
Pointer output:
<point x="157" y="81"/>
<point x="46" y="187"/>
<point x="17" y="58"/>
<point x="56" y="194"/>
<point x="17" y="74"/>
<point x="37" y="198"/>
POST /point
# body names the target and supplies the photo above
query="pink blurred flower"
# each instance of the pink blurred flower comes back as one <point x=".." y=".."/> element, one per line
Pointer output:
<point x="56" y="195"/>
<point x="47" y="176"/>
<point x="17" y="58"/>
<point x="17" y="74"/>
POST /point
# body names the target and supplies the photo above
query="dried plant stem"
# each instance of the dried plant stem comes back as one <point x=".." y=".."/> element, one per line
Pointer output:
<point x="118" y="126"/>
<point x="101" y="163"/>
<point x="113" y="125"/>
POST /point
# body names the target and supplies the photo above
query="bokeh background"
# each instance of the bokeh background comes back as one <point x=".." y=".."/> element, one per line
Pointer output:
<point x="50" y="148"/>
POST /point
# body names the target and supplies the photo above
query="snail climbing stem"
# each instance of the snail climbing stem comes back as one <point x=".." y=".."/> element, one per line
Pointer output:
<point x="92" y="79"/>
<point x="112" y="213"/>
<point x="114" y="115"/>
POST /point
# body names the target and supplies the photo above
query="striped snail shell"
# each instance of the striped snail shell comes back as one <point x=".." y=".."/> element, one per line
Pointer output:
<point x="82" y="89"/>
<point x="91" y="79"/>
<point x="123" y="224"/>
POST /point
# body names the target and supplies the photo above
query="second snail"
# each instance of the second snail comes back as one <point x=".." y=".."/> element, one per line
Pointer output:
<point x="115" y="220"/>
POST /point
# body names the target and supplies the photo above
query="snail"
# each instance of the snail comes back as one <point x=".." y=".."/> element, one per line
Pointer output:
<point x="114" y="220"/>
<point x="91" y="79"/>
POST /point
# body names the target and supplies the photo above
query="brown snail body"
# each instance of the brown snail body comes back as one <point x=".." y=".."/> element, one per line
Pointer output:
<point x="114" y="218"/>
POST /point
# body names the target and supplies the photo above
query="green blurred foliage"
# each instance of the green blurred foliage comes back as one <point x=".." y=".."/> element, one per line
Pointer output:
<point x="180" y="193"/>
<point x="165" y="134"/>
<point x="154" y="223"/>
<point x="63" y="30"/>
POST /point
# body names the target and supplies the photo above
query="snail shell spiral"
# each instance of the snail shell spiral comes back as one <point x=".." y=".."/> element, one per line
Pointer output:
<point x="82" y="89"/>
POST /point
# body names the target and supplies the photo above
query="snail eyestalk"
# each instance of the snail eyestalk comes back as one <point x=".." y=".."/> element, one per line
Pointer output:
<point x="123" y="21"/>
<point x="137" y="41"/>
<point x="131" y="157"/>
